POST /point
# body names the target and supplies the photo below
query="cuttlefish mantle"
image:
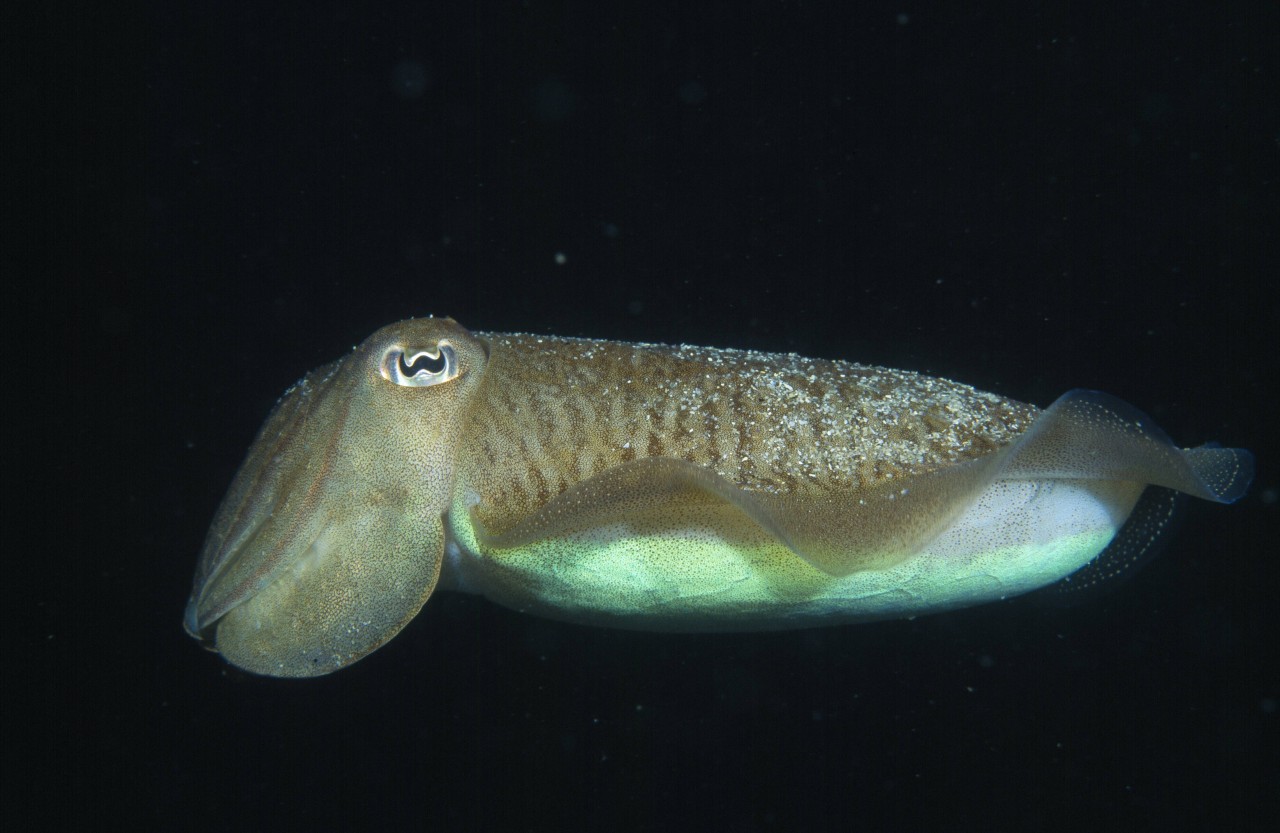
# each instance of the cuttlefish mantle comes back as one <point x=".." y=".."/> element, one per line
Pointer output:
<point x="660" y="487"/>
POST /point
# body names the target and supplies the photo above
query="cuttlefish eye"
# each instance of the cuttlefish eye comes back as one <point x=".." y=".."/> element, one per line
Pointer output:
<point x="420" y="368"/>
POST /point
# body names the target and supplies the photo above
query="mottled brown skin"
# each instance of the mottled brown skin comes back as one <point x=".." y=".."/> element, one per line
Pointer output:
<point x="555" y="411"/>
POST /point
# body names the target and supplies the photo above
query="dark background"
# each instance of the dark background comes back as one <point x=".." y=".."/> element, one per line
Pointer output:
<point x="1028" y="198"/>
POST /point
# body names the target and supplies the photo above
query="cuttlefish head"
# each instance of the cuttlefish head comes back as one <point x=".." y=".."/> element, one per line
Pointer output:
<point x="331" y="537"/>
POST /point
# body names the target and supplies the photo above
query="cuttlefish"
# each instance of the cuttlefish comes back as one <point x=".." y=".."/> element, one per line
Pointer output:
<point x="662" y="487"/>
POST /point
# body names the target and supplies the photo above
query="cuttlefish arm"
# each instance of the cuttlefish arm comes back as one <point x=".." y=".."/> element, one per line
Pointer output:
<point x="646" y="486"/>
<point x="331" y="537"/>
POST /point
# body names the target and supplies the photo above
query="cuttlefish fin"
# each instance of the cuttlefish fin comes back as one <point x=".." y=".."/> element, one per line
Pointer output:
<point x="837" y="534"/>
<point x="1144" y="535"/>
<point x="1089" y="435"/>
<point x="1084" y="435"/>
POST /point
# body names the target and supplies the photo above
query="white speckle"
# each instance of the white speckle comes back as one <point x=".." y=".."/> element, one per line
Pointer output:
<point x="561" y="259"/>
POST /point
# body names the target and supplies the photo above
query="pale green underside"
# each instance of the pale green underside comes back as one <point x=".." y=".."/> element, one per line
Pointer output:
<point x="727" y="575"/>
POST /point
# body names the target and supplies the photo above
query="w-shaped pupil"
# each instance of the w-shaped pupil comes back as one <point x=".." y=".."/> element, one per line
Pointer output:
<point x="423" y="363"/>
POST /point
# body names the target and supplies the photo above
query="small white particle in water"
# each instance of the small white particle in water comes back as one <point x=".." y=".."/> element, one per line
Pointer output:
<point x="561" y="259"/>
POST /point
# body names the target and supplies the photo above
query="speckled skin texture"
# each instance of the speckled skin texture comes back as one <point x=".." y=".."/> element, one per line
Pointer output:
<point x="554" y="411"/>
<point x="653" y="486"/>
